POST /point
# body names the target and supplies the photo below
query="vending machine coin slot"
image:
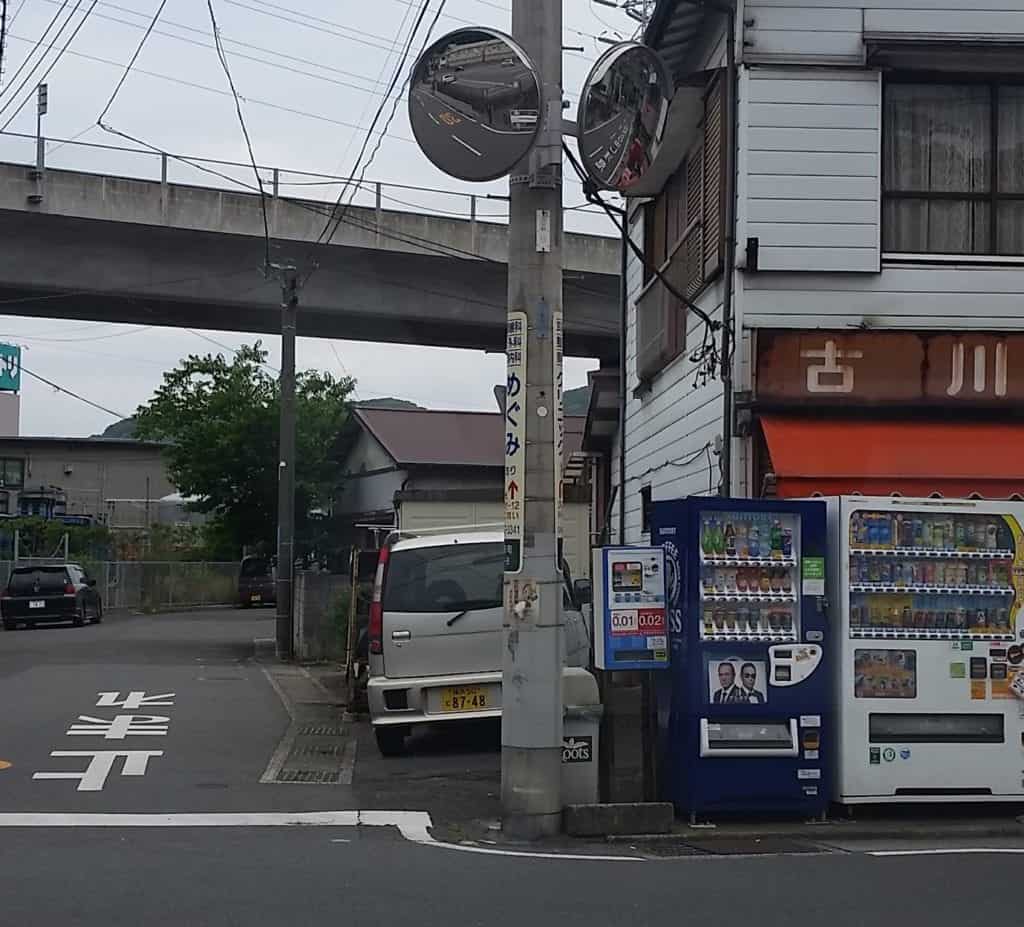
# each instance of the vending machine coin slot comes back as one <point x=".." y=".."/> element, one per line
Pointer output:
<point x="801" y="661"/>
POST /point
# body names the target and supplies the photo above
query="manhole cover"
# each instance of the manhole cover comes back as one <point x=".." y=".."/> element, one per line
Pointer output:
<point x="317" y="776"/>
<point x="322" y="730"/>
<point x="318" y="750"/>
<point x="764" y="846"/>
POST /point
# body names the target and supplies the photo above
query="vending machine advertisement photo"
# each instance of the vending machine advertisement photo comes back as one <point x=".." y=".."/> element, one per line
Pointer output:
<point x="747" y="722"/>
<point x="930" y="649"/>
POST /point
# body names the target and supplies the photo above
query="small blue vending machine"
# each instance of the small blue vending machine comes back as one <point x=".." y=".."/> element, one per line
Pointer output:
<point x="629" y="608"/>
<point x="745" y="724"/>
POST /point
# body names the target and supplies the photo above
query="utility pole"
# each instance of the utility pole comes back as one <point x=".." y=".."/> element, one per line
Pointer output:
<point x="286" y="462"/>
<point x="531" y="728"/>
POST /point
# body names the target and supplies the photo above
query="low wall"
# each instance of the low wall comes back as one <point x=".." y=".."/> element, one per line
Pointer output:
<point x="318" y="596"/>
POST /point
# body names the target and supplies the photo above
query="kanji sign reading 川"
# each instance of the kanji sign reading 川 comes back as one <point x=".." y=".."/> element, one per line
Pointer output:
<point x="515" y="440"/>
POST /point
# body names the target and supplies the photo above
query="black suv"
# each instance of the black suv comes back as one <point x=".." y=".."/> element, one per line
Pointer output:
<point x="44" y="594"/>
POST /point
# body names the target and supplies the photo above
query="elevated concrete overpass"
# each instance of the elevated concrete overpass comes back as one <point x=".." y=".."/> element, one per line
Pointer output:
<point x="114" y="249"/>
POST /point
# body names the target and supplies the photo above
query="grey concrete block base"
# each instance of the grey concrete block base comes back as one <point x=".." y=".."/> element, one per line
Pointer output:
<point x="619" y="818"/>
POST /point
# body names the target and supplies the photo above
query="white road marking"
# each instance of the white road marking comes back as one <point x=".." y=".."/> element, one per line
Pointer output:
<point x="134" y="700"/>
<point x="467" y="145"/>
<point x="414" y="826"/>
<point x="234" y="819"/>
<point x="432" y="119"/>
<point x="120" y="727"/>
<point x="95" y="775"/>
<point x="950" y="851"/>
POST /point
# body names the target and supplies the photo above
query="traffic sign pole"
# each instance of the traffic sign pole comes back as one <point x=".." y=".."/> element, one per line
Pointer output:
<point x="531" y="729"/>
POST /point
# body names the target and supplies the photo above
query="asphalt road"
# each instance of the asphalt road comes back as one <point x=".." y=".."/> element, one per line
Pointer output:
<point x="451" y="135"/>
<point x="225" y="722"/>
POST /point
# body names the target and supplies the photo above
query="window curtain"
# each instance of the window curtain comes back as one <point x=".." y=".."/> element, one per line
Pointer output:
<point x="1010" y="216"/>
<point x="937" y="140"/>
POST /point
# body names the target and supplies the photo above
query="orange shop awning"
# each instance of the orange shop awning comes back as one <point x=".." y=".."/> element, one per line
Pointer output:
<point x="836" y="457"/>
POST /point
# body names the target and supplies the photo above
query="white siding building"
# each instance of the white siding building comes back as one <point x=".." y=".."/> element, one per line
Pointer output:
<point x="878" y="275"/>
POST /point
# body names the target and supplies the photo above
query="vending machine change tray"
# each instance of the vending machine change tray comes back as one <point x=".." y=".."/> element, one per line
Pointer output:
<point x="934" y="728"/>
<point x="748" y="738"/>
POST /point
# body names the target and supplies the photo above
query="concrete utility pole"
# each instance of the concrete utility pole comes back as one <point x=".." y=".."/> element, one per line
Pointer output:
<point x="531" y="729"/>
<point x="286" y="462"/>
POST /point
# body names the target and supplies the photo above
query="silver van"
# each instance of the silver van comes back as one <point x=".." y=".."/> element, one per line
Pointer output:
<point x="435" y="632"/>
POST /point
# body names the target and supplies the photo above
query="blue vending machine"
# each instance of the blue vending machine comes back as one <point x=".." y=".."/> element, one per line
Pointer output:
<point x="746" y="719"/>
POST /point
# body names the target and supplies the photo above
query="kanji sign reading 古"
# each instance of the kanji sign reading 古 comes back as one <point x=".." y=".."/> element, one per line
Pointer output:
<point x="515" y="440"/>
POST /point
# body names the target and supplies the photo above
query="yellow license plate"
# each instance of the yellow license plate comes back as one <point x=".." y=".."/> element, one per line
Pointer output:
<point x="464" y="698"/>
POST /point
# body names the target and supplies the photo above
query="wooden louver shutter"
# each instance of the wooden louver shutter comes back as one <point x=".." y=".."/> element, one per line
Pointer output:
<point x="714" y="177"/>
<point x="693" y="246"/>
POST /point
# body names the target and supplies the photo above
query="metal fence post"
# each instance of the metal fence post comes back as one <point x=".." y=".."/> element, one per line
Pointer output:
<point x="378" y="211"/>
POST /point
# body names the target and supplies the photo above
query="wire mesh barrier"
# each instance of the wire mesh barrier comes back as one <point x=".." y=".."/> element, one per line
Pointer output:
<point x="152" y="586"/>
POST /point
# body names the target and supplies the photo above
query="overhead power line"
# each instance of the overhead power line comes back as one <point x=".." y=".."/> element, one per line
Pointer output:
<point x="130" y="65"/>
<point x="402" y="66"/>
<point x="235" y="42"/>
<point x="39" y="41"/>
<point x="52" y="65"/>
<point x="319" y="117"/>
<point x="245" y="134"/>
<point x="73" y="394"/>
<point x="317" y="24"/>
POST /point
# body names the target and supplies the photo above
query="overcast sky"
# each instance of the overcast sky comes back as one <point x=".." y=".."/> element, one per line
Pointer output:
<point x="337" y="53"/>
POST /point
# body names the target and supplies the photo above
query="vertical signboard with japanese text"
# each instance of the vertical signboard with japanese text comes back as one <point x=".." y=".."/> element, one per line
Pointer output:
<point x="559" y="450"/>
<point x="515" y="440"/>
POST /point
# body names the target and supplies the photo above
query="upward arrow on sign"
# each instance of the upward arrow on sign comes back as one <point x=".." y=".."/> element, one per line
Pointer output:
<point x="513" y="488"/>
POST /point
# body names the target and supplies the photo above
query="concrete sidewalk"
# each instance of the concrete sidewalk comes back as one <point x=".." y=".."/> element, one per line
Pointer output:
<point x="454" y="773"/>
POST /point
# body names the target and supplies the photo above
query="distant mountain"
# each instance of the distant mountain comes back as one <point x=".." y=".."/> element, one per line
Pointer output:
<point x="122" y="429"/>
<point x="576" y="401"/>
<point x="387" y="403"/>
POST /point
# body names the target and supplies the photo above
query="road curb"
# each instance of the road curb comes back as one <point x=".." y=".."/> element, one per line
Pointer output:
<point x="831" y="830"/>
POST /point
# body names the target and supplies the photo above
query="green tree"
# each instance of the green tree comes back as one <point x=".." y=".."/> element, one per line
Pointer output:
<point x="220" y="420"/>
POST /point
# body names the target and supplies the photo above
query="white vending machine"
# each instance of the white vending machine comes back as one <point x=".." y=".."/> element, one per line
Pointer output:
<point x="929" y="650"/>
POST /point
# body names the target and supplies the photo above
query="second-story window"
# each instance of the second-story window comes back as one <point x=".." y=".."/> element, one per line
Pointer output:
<point x="683" y="229"/>
<point x="12" y="473"/>
<point x="953" y="167"/>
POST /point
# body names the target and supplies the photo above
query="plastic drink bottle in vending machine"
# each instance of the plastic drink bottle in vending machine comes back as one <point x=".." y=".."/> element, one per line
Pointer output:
<point x="776" y="538"/>
<point x="754" y="542"/>
<point x="742" y="540"/>
<point x="856" y="530"/>
<point x="730" y="539"/>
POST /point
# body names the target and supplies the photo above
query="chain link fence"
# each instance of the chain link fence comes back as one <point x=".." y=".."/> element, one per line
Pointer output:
<point x="152" y="586"/>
